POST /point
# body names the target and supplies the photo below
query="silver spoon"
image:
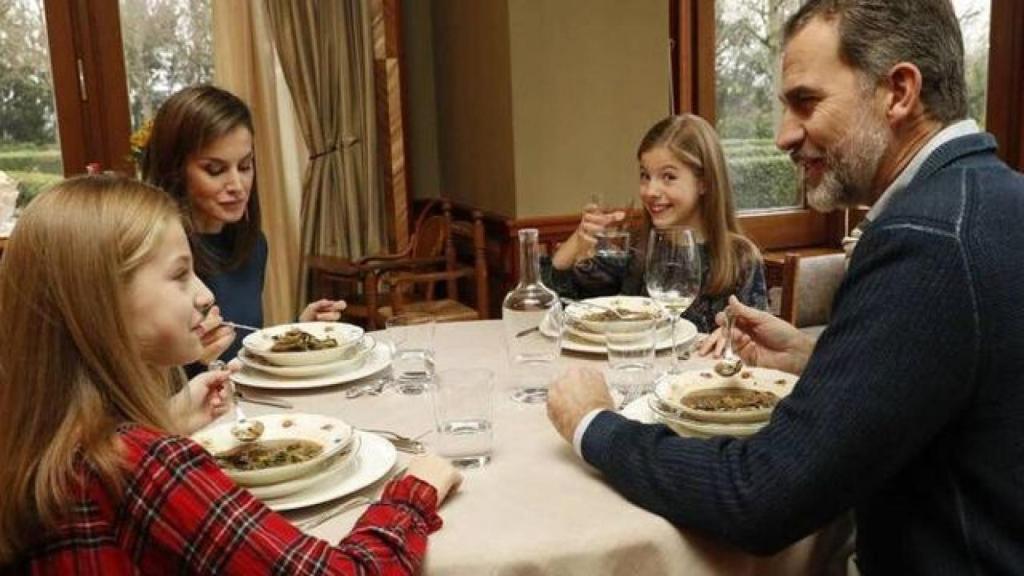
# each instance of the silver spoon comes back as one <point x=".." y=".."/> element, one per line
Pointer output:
<point x="244" y="430"/>
<point x="730" y="363"/>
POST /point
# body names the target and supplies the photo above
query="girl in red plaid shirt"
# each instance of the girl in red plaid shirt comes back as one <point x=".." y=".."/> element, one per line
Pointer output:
<point x="99" y="303"/>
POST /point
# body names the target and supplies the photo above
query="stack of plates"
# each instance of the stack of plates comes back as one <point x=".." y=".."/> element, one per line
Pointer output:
<point x="702" y="403"/>
<point x="586" y="324"/>
<point x="354" y="355"/>
<point x="348" y="460"/>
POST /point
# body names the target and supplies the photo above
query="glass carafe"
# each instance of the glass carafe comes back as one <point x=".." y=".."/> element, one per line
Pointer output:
<point x="531" y="315"/>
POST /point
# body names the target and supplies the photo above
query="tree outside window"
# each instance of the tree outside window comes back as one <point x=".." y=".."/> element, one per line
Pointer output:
<point x="748" y="44"/>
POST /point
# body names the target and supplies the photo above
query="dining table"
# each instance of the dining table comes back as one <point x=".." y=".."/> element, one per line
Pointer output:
<point x="536" y="507"/>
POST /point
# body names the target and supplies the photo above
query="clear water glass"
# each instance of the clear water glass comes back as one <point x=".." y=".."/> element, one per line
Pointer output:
<point x="463" y="402"/>
<point x="631" y="349"/>
<point x="673" y="275"/>
<point x="612" y="243"/>
<point x="411" y="338"/>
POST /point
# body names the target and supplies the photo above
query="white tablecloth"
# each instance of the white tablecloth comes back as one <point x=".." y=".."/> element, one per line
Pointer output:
<point x="537" y="508"/>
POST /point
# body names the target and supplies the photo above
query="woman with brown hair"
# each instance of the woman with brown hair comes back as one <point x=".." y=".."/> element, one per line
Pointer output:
<point x="100" y="304"/>
<point x="201" y="152"/>
<point x="683" y="182"/>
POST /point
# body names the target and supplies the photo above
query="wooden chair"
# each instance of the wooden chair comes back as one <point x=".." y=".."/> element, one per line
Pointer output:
<point x="365" y="284"/>
<point x="809" y="284"/>
<point x="414" y="291"/>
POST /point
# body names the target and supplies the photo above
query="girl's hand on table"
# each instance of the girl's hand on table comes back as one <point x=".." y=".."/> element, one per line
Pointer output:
<point x="437" y="472"/>
<point x="323" y="311"/>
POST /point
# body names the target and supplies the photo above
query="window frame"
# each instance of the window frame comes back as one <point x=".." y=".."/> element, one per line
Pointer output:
<point x="89" y="86"/>
<point x="692" y="29"/>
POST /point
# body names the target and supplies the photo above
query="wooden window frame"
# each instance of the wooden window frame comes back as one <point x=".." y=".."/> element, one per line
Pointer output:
<point x="89" y="85"/>
<point x="693" y="34"/>
<point x="693" y="29"/>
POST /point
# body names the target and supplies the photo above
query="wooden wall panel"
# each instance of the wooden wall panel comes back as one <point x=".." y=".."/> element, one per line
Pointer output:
<point x="387" y="75"/>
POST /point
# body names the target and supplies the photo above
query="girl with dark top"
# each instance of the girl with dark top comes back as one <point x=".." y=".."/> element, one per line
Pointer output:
<point x="683" y="182"/>
<point x="99" y="304"/>
<point x="200" y="151"/>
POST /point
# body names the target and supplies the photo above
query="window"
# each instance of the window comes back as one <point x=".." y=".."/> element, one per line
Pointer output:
<point x="748" y="44"/>
<point x="29" y="150"/>
<point x="168" y="44"/>
<point x="990" y="28"/>
<point x="974" y="16"/>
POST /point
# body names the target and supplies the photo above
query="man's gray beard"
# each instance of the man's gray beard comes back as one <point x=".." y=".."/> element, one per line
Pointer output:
<point x="851" y="166"/>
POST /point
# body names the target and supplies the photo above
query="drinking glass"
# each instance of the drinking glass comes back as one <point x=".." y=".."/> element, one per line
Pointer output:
<point x="612" y="243"/>
<point x="673" y="275"/>
<point x="463" y="402"/>
<point x="411" y="337"/>
<point x="631" y="345"/>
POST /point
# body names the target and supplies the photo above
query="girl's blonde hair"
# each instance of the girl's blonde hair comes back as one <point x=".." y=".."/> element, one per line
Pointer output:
<point x="70" y="369"/>
<point x="695" y="144"/>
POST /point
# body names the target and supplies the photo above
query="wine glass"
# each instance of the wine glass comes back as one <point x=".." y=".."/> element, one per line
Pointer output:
<point x="673" y="275"/>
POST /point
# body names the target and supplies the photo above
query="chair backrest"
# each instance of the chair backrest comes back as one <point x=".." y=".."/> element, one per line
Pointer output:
<point x="809" y="284"/>
<point x="469" y="243"/>
<point x="428" y="239"/>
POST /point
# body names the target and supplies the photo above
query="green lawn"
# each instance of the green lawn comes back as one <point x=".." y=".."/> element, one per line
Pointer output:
<point x="33" y="168"/>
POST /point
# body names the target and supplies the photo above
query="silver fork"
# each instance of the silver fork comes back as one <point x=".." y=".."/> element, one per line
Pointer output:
<point x="344" y="506"/>
<point x="401" y="443"/>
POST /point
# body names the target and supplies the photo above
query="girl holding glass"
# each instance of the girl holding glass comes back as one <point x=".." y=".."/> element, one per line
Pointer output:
<point x="683" y="183"/>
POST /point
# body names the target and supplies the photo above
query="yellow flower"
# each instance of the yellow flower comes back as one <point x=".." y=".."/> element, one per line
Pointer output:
<point x="140" y="137"/>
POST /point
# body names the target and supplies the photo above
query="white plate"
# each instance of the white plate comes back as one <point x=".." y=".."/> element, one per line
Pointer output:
<point x="640" y="410"/>
<point x="261" y="342"/>
<point x="377" y="360"/>
<point x="375" y="458"/>
<point x="336" y="466"/>
<point x="353" y="358"/>
<point x="686" y="331"/>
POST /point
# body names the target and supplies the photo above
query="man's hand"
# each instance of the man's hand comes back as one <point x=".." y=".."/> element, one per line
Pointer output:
<point x="573" y="395"/>
<point x="761" y="339"/>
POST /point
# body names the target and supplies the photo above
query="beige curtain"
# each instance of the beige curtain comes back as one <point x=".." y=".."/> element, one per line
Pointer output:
<point x="327" y="57"/>
<point x="245" y="64"/>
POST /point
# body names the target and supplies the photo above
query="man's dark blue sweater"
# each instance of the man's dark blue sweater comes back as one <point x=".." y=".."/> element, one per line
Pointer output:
<point x="910" y="411"/>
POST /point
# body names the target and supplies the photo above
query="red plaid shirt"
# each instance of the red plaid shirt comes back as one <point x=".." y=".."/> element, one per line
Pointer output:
<point x="181" y="514"/>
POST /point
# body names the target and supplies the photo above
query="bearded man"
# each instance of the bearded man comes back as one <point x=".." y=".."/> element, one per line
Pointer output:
<point x="910" y="407"/>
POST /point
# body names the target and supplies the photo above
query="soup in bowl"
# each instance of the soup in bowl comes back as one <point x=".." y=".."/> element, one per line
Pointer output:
<point x="702" y="395"/>
<point x="302" y="343"/>
<point x="292" y="445"/>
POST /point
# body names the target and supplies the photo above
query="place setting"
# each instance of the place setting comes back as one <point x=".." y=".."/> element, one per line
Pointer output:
<point x="703" y="403"/>
<point x="309" y="355"/>
<point x="297" y="460"/>
<point x="588" y="323"/>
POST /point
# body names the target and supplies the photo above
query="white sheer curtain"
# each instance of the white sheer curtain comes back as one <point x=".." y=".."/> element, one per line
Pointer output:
<point x="246" y="64"/>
